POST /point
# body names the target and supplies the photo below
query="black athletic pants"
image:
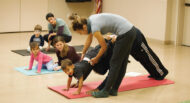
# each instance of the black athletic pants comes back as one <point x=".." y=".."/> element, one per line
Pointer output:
<point x="66" y="38"/>
<point x="119" y="59"/>
<point x="144" y="54"/>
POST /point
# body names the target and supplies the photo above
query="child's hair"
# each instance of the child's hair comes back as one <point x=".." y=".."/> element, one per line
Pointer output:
<point x="77" y="21"/>
<point x="65" y="63"/>
<point x="34" y="45"/>
<point x="38" y="27"/>
<point x="65" y="50"/>
<point x="49" y="15"/>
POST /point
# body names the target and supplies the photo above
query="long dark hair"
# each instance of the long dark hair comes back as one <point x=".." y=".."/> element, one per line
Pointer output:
<point x="65" y="50"/>
<point x="77" y="21"/>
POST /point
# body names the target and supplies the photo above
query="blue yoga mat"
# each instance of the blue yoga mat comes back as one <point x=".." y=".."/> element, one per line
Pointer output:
<point x="33" y="71"/>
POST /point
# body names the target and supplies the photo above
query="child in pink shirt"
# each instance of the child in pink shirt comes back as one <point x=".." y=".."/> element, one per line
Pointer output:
<point x="42" y="59"/>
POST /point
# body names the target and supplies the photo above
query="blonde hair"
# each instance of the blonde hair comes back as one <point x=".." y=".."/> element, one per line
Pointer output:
<point x="77" y="21"/>
<point x="65" y="50"/>
<point x="38" y="27"/>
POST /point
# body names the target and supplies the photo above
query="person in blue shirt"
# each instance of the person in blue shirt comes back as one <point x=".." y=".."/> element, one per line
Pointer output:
<point x="37" y="37"/>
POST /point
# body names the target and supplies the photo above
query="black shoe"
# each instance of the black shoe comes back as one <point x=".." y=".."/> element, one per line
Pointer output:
<point x="150" y="76"/>
<point x="113" y="92"/>
<point x="162" y="77"/>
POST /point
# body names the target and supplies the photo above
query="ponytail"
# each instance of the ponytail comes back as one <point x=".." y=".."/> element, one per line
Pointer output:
<point x="77" y="21"/>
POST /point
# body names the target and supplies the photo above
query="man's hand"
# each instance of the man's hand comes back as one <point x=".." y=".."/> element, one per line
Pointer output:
<point x="52" y="34"/>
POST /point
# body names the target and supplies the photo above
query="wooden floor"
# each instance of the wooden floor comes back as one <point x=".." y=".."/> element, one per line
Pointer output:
<point x="18" y="88"/>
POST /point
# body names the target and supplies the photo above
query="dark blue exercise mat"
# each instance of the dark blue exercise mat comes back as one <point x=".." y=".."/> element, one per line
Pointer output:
<point x="24" y="52"/>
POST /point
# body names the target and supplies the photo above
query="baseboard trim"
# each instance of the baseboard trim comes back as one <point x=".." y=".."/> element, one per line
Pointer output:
<point x="20" y="32"/>
<point x="168" y="42"/>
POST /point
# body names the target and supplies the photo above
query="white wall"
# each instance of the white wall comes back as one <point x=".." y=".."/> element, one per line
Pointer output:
<point x="62" y="9"/>
<point x="175" y="21"/>
<point x="33" y="12"/>
<point x="148" y="15"/>
<point x="23" y="15"/>
<point x="9" y="15"/>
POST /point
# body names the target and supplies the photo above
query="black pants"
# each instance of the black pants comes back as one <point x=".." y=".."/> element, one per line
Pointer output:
<point x="66" y="38"/>
<point x="102" y="66"/>
<point x="143" y="53"/>
<point x="119" y="59"/>
<point x="104" y="62"/>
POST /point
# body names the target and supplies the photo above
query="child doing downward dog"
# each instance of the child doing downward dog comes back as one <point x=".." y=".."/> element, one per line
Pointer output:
<point x="69" y="68"/>
<point x="81" y="70"/>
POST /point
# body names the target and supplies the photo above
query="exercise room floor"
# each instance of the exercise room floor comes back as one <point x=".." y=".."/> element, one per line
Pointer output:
<point x="19" y="88"/>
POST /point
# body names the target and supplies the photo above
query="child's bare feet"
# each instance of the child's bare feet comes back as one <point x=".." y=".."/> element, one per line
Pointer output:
<point x="76" y="93"/>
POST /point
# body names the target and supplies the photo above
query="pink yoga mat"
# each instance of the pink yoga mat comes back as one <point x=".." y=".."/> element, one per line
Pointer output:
<point x="128" y="83"/>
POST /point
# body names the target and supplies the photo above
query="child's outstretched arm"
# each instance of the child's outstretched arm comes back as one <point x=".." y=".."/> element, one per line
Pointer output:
<point x="40" y="61"/>
<point x="68" y="84"/>
<point x="79" y="87"/>
<point x="30" y="63"/>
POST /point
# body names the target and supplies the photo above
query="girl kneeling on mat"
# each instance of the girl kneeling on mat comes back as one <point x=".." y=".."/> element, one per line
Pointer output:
<point x="42" y="59"/>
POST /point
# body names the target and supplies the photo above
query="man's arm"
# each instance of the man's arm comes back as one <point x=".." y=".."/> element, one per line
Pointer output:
<point x="60" y="30"/>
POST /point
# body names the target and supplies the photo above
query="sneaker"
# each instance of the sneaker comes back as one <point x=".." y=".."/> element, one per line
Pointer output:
<point x="113" y="92"/>
<point x="100" y="94"/>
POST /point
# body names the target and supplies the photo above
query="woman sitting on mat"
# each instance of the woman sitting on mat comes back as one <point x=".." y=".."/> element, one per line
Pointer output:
<point x="64" y="51"/>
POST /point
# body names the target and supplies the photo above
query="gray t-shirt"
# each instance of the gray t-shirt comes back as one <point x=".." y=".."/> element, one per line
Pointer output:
<point x="106" y="22"/>
<point x="60" y="22"/>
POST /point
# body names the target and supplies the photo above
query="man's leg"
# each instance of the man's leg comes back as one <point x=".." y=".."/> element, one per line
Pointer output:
<point x="46" y="37"/>
<point x="115" y="87"/>
<point x="121" y="51"/>
<point x="66" y="38"/>
<point x="144" y="54"/>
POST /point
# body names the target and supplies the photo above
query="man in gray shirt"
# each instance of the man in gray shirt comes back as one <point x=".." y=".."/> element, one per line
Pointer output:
<point x="56" y="26"/>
